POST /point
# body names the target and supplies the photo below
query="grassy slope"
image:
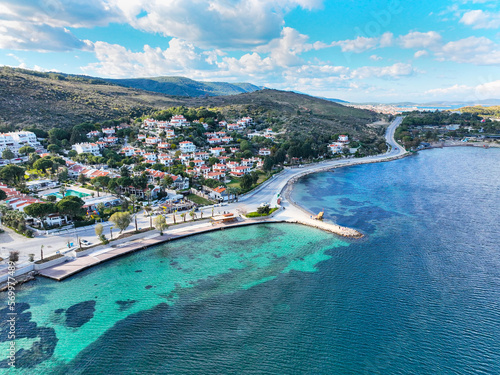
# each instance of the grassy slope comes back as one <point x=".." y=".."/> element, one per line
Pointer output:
<point x="30" y="98"/>
<point x="184" y="86"/>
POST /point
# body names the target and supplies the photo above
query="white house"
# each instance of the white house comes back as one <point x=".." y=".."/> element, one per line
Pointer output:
<point x="264" y="152"/>
<point x="108" y="131"/>
<point x="336" y="147"/>
<point x="343" y="138"/>
<point x="178" y="121"/>
<point x="187" y="146"/>
<point x="15" y="140"/>
<point x="217" y="150"/>
<point x="92" y="148"/>
<point x="93" y="133"/>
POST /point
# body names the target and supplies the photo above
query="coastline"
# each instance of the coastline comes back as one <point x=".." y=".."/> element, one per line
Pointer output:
<point x="289" y="212"/>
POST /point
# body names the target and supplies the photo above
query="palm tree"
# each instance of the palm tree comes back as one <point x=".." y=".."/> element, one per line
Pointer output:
<point x="133" y="199"/>
<point x="183" y="215"/>
<point x="62" y="190"/>
<point x="192" y="214"/>
<point x="97" y="185"/>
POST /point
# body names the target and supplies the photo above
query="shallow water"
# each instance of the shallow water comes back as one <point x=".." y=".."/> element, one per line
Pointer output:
<point x="420" y="294"/>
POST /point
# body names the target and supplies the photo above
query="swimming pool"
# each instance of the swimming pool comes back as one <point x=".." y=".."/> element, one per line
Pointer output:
<point x="70" y="192"/>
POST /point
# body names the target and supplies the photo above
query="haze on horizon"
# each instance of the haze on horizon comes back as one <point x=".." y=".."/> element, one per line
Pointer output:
<point x="357" y="51"/>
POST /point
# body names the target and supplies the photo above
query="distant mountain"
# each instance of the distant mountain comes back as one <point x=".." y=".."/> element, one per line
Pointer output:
<point x="485" y="102"/>
<point x="181" y="86"/>
<point x="336" y="100"/>
<point x="48" y="100"/>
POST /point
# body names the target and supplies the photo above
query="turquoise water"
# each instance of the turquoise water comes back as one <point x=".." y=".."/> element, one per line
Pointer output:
<point x="420" y="294"/>
<point x="70" y="192"/>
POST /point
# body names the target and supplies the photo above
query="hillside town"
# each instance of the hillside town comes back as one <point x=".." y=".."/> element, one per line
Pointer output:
<point x="163" y="166"/>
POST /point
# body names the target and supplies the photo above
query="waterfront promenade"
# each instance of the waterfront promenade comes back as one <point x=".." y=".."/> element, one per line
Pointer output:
<point x="278" y="186"/>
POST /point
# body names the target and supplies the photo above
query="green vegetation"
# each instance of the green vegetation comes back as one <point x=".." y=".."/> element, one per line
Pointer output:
<point x="262" y="211"/>
<point x="420" y="127"/>
<point x="493" y="111"/>
<point x="182" y="86"/>
<point x="199" y="200"/>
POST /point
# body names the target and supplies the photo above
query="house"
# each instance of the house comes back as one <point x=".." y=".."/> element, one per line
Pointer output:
<point x="214" y="141"/>
<point x="202" y="155"/>
<point x="92" y="148"/>
<point x="343" y="139"/>
<point x="217" y="150"/>
<point x="127" y="151"/>
<point x="163" y="145"/>
<point x="336" y="147"/>
<point x="141" y="137"/>
<point x="187" y="146"/>
<point x="226" y="139"/>
<point x="15" y="140"/>
<point x="215" y="176"/>
<point x="93" y="133"/>
<point x="219" y="168"/>
<point x="150" y="156"/>
<point x="110" y="140"/>
<point x="218" y="193"/>
<point x="152" y="140"/>
<point x="234" y="150"/>
<point x="234" y="127"/>
<point x="38" y="185"/>
<point x="240" y="171"/>
<point x="108" y="131"/>
<point x="264" y="152"/>
<point x="178" y="121"/>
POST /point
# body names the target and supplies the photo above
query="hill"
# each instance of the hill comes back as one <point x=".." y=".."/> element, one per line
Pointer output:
<point x="181" y="86"/>
<point x="50" y="100"/>
<point x="482" y="111"/>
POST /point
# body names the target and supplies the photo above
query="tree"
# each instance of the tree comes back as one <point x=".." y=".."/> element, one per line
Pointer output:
<point x="53" y="148"/>
<point x="98" y="231"/>
<point x="63" y="175"/>
<point x="124" y="172"/>
<point x="8" y="154"/>
<point x="121" y="220"/>
<point x="3" y="195"/>
<point x="62" y="190"/>
<point x="12" y="174"/>
<point x="40" y="210"/>
<point x="71" y="206"/>
<point x="100" y="208"/>
<point x="97" y="185"/>
<point x="14" y="256"/>
<point x="245" y="145"/>
<point x="246" y="182"/>
<point x="25" y="150"/>
<point x="82" y="179"/>
<point x="167" y="181"/>
<point x="268" y="164"/>
<point x="161" y="224"/>
<point x="43" y="164"/>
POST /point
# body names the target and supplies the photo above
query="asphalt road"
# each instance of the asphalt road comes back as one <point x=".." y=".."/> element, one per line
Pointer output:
<point x="266" y="193"/>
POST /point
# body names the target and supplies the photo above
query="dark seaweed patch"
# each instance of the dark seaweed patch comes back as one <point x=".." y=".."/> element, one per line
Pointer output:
<point x="79" y="314"/>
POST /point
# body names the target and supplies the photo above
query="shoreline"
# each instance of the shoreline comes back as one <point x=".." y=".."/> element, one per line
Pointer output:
<point x="289" y="212"/>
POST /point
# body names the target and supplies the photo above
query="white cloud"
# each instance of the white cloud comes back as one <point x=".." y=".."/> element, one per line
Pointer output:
<point x="215" y="23"/>
<point x="117" y="61"/>
<point x="482" y="91"/>
<point x="417" y="39"/>
<point x="361" y="43"/>
<point x="421" y="53"/>
<point x="27" y="36"/>
<point x="395" y="71"/>
<point x="284" y="51"/>
<point x="480" y="19"/>
<point x="473" y="50"/>
<point x="375" y="58"/>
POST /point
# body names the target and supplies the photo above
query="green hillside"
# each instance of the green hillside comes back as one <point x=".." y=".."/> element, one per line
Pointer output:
<point x="48" y="100"/>
<point x="182" y="86"/>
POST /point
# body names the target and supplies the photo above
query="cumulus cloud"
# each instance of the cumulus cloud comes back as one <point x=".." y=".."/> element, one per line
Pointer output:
<point x="417" y="39"/>
<point x="421" y="53"/>
<point x="27" y="36"/>
<point x="375" y="58"/>
<point x="481" y="91"/>
<point x="473" y="50"/>
<point x="480" y="19"/>
<point x="285" y="50"/>
<point x="216" y="23"/>
<point x="395" y="71"/>
<point x="361" y="43"/>
<point x="117" y="61"/>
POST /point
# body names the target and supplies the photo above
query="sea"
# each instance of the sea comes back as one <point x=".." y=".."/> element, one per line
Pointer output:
<point x="419" y="294"/>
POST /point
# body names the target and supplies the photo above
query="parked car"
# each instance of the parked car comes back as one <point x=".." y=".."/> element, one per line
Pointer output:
<point x="86" y="243"/>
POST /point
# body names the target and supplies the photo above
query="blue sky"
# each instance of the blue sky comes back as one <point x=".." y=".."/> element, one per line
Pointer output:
<point x="384" y="51"/>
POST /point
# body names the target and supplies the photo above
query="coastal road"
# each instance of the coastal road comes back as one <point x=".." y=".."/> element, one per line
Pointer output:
<point x="266" y="193"/>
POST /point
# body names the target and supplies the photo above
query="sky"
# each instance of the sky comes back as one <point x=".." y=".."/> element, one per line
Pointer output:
<point x="359" y="51"/>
